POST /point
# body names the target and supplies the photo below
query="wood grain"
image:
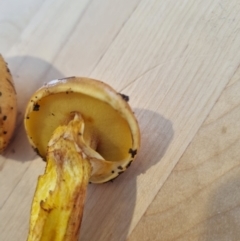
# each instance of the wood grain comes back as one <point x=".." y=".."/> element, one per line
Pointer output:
<point x="201" y="199"/>
<point x="174" y="59"/>
<point x="14" y="17"/>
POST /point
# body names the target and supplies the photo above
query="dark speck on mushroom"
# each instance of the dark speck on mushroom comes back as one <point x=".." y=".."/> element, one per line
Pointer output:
<point x="4" y="117"/>
<point x="36" y="107"/>
<point x="129" y="164"/>
<point x="132" y="152"/>
<point x="120" y="167"/>
<point x="125" y="97"/>
<point x="5" y="132"/>
<point x="36" y="150"/>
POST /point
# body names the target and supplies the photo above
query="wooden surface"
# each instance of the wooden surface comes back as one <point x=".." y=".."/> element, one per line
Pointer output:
<point x="179" y="61"/>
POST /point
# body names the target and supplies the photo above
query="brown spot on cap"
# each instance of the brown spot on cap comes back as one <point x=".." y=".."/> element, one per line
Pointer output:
<point x="36" y="107"/>
<point x="129" y="164"/>
<point x="125" y="97"/>
<point x="36" y="150"/>
<point x="132" y="152"/>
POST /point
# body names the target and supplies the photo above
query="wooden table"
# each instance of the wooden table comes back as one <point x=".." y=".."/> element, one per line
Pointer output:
<point x="179" y="61"/>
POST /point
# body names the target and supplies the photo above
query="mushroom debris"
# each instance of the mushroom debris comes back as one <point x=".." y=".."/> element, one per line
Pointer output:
<point x="86" y="132"/>
<point x="8" y="105"/>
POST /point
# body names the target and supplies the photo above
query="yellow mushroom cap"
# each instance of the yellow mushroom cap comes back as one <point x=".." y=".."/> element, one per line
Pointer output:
<point x="110" y="125"/>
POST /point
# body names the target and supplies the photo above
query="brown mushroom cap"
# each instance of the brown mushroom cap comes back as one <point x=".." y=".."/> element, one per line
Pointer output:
<point x="110" y="125"/>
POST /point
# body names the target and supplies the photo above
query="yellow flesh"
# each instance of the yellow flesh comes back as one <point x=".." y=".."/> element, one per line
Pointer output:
<point x="59" y="198"/>
<point x="111" y="130"/>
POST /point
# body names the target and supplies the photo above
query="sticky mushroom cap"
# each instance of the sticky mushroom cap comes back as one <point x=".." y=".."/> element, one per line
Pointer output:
<point x="110" y="125"/>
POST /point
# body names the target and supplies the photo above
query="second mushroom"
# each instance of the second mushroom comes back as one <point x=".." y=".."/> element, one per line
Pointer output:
<point x="86" y="132"/>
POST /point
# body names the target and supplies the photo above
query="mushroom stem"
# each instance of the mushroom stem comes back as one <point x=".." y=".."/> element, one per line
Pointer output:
<point x="59" y="198"/>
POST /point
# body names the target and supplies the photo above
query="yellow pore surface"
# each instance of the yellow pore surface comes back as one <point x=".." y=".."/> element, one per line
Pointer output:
<point x="102" y="122"/>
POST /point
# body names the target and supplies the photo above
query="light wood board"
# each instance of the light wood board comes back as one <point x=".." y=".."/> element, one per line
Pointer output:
<point x="179" y="63"/>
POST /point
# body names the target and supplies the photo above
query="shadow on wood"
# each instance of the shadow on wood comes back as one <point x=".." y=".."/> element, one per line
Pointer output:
<point x="109" y="207"/>
<point x="33" y="72"/>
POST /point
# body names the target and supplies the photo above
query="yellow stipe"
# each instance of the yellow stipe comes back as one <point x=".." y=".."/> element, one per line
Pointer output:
<point x="60" y="194"/>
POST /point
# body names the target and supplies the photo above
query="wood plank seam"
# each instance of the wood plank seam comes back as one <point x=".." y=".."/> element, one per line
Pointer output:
<point x="212" y="182"/>
<point x="115" y="36"/>
<point x="9" y="195"/>
<point x="226" y="86"/>
<point x="73" y="28"/>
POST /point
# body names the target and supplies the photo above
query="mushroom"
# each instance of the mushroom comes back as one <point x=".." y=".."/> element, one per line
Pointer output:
<point x="8" y="105"/>
<point x="86" y="132"/>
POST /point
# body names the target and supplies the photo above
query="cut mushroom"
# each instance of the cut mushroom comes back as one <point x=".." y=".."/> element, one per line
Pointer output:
<point x="85" y="131"/>
<point x="8" y="105"/>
